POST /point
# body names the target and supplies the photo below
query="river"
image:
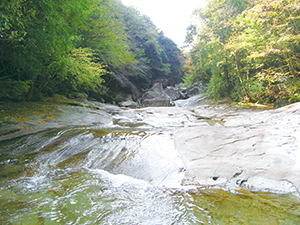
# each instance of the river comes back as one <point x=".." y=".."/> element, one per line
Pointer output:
<point x="111" y="165"/>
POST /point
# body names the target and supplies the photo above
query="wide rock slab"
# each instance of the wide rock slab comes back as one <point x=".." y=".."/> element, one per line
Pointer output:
<point x="258" y="151"/>
<point x="83" y="114"/>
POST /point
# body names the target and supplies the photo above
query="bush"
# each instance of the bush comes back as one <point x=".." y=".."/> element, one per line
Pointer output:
<point x="14" y="90"/>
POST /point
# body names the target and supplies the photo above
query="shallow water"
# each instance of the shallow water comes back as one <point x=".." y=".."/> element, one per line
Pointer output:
<point x="96" y="175"/>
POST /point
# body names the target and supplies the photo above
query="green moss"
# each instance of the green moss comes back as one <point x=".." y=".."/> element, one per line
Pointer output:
<point x="21" y="111"/>
<point x="217" y="206"/>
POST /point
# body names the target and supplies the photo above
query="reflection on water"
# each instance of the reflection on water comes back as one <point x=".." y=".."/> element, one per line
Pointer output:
<point x="95" y="176"/>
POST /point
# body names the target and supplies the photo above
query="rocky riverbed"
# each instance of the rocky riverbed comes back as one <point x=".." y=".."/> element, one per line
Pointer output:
<point x="196" y="162"/>
<point x="219" y="145"/>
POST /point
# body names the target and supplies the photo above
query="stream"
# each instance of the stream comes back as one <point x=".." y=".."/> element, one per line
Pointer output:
<point x="113" y="165"/>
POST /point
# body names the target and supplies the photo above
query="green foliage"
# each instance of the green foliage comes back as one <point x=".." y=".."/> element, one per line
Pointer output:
<point x="191" y="31"/>
<point x="144" y="42"/>
<point x="156" y="56"/>
<point x="172" y="58"/>
<point x="214" y="88"/>
<point x="43" y="40"/>
<point x="188" y="80"/>
<point x="11" y="89"/>
<point x="84" y="74"/>
<point x="63" y="46"/>
<point x="259" y="53"/>
<point x="104" y="32"/>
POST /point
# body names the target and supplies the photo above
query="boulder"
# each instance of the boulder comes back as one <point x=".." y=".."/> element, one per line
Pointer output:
<point x="175" y="93"/>
<point x="194" y="90"/>
<point x="164" y="82"/>
<point x="121" y="96"/>
<point x="156" y="96"/>
<point x="128" y="103"/>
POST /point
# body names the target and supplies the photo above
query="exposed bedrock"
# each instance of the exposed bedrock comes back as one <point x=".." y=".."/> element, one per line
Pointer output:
<point x="258" y="150"/>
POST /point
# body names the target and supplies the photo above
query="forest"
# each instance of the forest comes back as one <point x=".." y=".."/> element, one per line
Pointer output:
<point x="244" y="50"/>
<point x="96" y="47"/>
<point x="247" y="50"/>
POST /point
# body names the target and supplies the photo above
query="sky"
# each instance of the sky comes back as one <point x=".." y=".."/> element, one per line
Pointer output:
<point x="170" y="16"/>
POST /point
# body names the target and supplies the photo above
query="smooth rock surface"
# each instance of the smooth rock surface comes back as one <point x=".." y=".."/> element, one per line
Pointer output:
<point x="63" y="116"/>
<point x="220" y="145"/>
<point x="254" y="150"/>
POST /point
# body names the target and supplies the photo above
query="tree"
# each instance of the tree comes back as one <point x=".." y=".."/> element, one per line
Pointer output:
<point x="66" y="46"/>
<point x="209" y="58"/>
<point x="248" y="50"/>
<point x="157" y="57"/>
<point x="36" y="39"/>
<point x="267" y="45"/>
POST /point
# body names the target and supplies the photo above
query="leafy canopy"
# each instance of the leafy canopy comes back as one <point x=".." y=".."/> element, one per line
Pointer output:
<point x="249" y="50"/>
<point x="62" y="46"/>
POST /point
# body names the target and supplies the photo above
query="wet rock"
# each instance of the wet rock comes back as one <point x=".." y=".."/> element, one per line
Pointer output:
<point x="218" y="145"/>
<point x="156" y="96"/>
<point x="63" y="115"/>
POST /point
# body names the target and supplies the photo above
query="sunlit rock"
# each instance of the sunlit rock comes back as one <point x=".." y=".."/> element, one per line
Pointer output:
<point x="252" y="150"/>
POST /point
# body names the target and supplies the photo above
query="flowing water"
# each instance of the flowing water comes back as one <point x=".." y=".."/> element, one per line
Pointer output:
<point x="119" y="175"/>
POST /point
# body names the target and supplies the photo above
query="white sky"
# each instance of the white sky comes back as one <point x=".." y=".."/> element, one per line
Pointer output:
<point x="171" y="16"/>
